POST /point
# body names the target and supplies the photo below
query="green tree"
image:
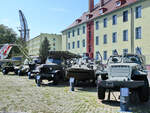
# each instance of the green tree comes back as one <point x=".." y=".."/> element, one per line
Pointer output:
<point x="43" y="51"/>
<point x="7" y="35"/>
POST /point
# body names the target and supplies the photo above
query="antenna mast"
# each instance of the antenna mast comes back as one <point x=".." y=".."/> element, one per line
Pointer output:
<point x="24" y="30"/>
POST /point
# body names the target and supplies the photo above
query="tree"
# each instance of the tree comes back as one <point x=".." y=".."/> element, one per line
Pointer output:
<point x="43" y="51"/>
<point x="7" y="35"/>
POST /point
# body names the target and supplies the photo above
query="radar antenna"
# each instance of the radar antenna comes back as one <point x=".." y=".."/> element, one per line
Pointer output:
<point x="24" y="30"/>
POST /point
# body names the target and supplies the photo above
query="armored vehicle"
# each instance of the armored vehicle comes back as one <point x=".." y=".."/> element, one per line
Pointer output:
<point x="11" y="65"/>
<point x="124" y="71"/>
<point x="83" y="69"/>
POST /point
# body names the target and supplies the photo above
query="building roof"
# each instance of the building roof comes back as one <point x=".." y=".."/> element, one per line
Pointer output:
<point x="110" y="5"/>
<point x="46" y="34"/>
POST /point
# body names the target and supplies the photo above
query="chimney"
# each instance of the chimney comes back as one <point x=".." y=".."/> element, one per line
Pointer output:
<point x="102" y="3"/>
<point x="91" y="5"/>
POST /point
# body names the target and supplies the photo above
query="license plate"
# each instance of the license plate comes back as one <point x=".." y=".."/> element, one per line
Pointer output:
<point x="109" y="84"/>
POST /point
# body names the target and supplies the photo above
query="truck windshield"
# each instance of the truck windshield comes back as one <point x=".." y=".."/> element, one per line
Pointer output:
<point x="56" y="61"/>
<point x="131" y="59"/>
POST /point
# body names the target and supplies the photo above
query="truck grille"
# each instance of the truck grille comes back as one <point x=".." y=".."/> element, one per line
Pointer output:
<point x="120" y="71"/>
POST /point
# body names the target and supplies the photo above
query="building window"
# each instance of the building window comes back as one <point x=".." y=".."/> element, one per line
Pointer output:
<point x="54" y="39"/>
<point x="53" y="44"/>
<point x="138" y="13"/>
<point x="138" y="33"/>
<point x="78" y="33"/>
<point x="118" y="3"/>
<point x="78" y="44"/>
<point x="97" y="40"/>
<point x="97" y="25"/>
<point x="125" y="35"/>
<point x="83" y="42"/>
<point x="125" y="16"/>
<point x="69" y="46"/>
<point x="105" y="55"/>
<point x="97" y="54"/>
<point x="114" y="37"/>
<point x="114" y="19"/>
<point x="83" y="29"/>
<point x="105" y="22"/>
<point x="73" y="45"/>
<point x="105" y="39"/>
<point x="68" y="34"/>
<point x="73" y="33"/>
<point x="125" y="51"/>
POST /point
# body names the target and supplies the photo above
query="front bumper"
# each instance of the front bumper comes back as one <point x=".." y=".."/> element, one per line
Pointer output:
<point x="120" y="84"/>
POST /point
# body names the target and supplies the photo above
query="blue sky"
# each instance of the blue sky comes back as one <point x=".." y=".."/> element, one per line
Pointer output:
<point x="43" y="16"/>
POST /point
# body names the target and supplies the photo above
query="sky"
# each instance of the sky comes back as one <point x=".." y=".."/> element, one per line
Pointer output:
<point x="43" y="16"/>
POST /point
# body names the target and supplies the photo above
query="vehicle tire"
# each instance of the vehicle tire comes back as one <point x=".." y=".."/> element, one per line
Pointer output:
<point x="143" y="92"/>
<point x="56" y="79"/>
<point x="38" y="80"/>
<point x="101" y="92"/>
<point x="4" y="72"/>
<point x="16" y="72"/>
<point x="134" y="97"/>
<point x="29" y="75"/>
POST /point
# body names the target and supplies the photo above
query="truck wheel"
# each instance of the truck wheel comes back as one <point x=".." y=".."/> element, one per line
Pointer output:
<point x="134" y="97"/>
<point x="144" y="91"/>
<point x="16" y="72"/>
<point x="38" y="80"/>
<point x="4" y="72"/>
<point x="55" y="80"/>
<point x="101" y="92"/>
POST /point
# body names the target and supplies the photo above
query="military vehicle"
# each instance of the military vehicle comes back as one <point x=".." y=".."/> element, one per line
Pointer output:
<point x="124" y="71"/>
<point x="55" y="67"/>
<point x="53" y="70"/>
<point x="28" y="67"/>
<point x="11" y="65"/>
<point x="83" y="69"/>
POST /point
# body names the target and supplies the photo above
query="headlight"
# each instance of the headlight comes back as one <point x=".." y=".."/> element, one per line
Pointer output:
<point x="51" y="69"/>
<point x="138" y="67"/>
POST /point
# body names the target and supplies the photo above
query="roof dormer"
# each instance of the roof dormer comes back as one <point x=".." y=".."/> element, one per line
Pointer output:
<point x="120" y="2"/>
<point x="102" y="10"/>
<point x="78" y="20"/>
<point x="88" y="16"/>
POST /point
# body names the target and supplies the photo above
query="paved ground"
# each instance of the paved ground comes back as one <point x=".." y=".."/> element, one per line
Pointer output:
<point x="18" y="94"/>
